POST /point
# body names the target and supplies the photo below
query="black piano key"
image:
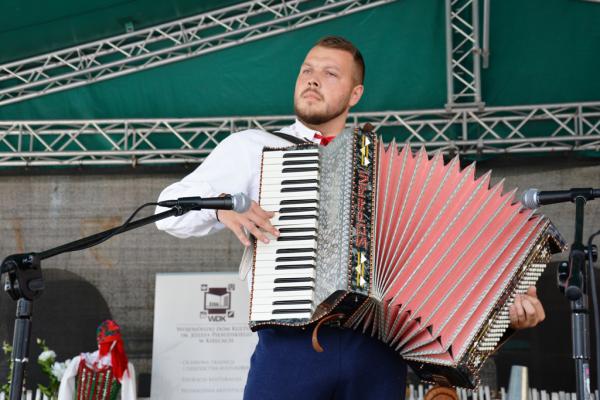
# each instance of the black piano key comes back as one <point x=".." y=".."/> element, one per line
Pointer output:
<point x="298" y="201"/>
<point x="293" y="266"/>
<point x="301" y="154"/>
<point x="288" y="251"/>
<point x="300" y="162"/>
<point x="292" y="311"/>
<point x="297" y="209"/>
<point x="298" y="181"/>
<point x="292" y="280"/>
<point x="302" y="258"/>
<point x="290" y="302"/>
<point x="302" y="169"/>
<point x="289" y="230"/>
<point x="292" y="288"/>
<point x="294" y="238"/>
<point x="292" y="217"/>
<point x="299" y="189"/>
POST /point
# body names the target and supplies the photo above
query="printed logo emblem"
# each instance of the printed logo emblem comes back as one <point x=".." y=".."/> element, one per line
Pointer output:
<point x="217" y="303"/>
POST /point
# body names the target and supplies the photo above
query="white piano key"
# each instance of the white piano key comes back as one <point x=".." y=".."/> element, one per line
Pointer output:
<point x="271" y="285"/>
<point x="277" y="192"/>
<point x="270" y="189"/>
<point x="281" y="153"/>
<point x="275" y="245"/>
<point x="267" y="308"/>
<point x="279" y="179"/>
<point x="271" y="264"/>
<point x="268" y="169"/>
<point x="271" y="316"/>
<point x="273" y="256"/>
<point x="275" y="274"/>
<point x="276" y="221"/>
<point x="296" y="215"/>
<point x="295" y="173"/>
<point x="271" y="253"/>
<point x="276" y="204"/>
<point x="308" y="272"/>
<point x="285" y="273"/>
<point x="281" y="161"/>
<point x="284" y="297"/>
<point x="263" y="288"/>
<point x="269" y="197"/>
<point x="288" y="183"/>
<point x="274" y="190"/>
<point x="263" y="297"/>
<point x="275" y="175"/>
<point x="289" y="233"/>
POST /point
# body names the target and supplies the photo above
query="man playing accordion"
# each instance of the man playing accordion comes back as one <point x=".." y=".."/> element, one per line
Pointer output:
<point x="284" y="365"/>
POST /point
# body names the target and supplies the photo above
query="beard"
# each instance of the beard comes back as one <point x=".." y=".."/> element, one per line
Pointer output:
<point x="317" y="116"/>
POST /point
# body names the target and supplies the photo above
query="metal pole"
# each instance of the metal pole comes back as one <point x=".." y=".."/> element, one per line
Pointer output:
<point x="449" y="78"/>
<point x="20" y="353"/>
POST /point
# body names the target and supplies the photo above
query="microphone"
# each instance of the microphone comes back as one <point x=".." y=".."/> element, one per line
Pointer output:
<point x="238" y="202"/>
<point x="533" y="198"/>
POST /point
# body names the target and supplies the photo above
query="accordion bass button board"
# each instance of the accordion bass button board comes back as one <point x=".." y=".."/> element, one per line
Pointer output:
<point x="411" y="249"/>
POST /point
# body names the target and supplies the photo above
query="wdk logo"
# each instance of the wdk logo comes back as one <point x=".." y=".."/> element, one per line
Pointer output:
<point x="217" y="303"/>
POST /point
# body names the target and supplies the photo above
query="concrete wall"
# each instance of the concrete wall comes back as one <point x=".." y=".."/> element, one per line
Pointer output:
<point x="38" y="212"/>
<point x="41" y="212"/>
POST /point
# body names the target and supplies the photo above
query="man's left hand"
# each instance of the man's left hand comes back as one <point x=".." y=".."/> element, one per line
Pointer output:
<point x="527" y="310"/>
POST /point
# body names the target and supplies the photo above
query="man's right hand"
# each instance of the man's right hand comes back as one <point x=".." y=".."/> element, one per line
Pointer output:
<point x="255" y="220"/>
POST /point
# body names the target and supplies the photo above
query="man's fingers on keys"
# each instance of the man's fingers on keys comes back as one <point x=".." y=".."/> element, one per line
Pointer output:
<point x="529" y="309"/>
<point x="519" y="309"/>
<point x="255" y="208"/>
<point x="532" y="297"/>
<point x="264" y="224"/>
<point x="262" y="219"/>
<point x="254" y="230"/>
<point x="512" y="312"/>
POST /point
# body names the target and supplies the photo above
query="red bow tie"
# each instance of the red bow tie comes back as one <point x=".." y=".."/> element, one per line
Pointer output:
<point x="324" y="139"/>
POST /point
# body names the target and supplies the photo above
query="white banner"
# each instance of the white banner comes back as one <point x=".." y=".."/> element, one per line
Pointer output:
<point x="202" y="343"/>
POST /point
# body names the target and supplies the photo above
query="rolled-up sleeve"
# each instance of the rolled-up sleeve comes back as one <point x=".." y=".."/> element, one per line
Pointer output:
<point x="225" y="170"/>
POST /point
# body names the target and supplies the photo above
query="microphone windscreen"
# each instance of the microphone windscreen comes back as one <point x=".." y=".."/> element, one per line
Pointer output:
<point x="241" y="202"/>
<point x="530" y="199"/>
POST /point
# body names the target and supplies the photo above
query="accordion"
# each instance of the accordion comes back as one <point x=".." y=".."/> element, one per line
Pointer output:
<point x="402" y="246"/>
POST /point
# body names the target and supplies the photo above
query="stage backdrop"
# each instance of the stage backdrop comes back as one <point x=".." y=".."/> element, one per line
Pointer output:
<point x="202" y="343"/>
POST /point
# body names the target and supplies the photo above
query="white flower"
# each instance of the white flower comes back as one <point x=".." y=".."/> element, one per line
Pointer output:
<point x="47" y="355"/>
<point x="59" y="368"/>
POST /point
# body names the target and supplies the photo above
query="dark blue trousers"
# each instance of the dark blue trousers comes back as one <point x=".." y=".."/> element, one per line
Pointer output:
<point x="353" y="366"/>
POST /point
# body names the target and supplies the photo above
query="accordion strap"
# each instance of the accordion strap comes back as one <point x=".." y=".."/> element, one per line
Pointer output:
<point x="315" y="340"/>
<point x="289" y="138"/>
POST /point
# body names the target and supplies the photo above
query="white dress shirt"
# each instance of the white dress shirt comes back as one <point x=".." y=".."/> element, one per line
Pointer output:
<point x="232" y="167"/>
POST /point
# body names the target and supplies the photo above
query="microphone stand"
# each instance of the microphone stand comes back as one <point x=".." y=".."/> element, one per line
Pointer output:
<point x="24" y="283"/>
<point x="572" y="281"/>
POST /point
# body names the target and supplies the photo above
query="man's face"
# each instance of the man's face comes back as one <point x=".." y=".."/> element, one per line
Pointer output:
<point x="326" y="86"/>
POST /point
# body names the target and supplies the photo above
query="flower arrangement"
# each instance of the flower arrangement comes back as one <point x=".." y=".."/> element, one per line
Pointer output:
<point x="52" y="368"/>
<point x="47" y="361"/>
<point x="7" y="349"/>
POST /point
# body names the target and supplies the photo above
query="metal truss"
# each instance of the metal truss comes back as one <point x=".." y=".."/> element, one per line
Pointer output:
<point x="166" y="43"/>
<point x="468" y="132"/>
<point x="463" y="52"/>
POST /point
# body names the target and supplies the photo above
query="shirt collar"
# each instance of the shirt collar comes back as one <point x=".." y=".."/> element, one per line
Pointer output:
<point x="300" y="130"/>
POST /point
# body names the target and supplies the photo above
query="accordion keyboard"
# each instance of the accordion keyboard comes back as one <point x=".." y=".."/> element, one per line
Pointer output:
<point x="284" y="274"/>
